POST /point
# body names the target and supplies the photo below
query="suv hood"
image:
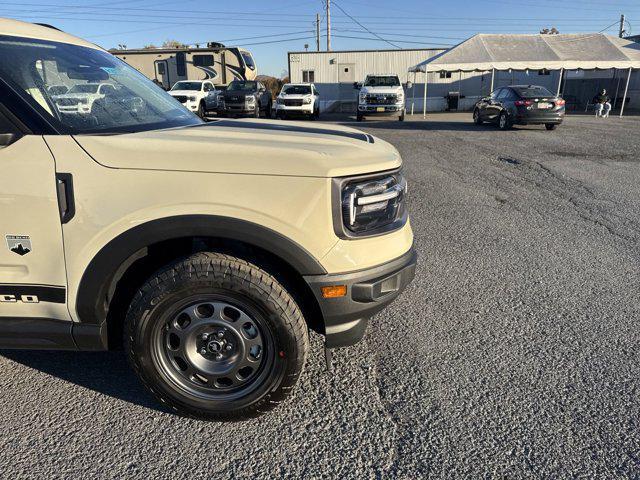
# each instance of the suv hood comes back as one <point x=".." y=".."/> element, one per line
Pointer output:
<point x="247" y="147"/>
<point x="186" y="93"/>
<point x="381" y="90"/>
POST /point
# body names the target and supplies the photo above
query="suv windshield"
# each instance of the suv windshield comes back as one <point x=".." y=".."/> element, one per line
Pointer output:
<point x="297" y="90"/>
<point x="133" y="103"/>
<point x="533" y="91"/>
<point x="372" y="81"/>
<point x="187" y="86"/>
<point x="239" y="86"/>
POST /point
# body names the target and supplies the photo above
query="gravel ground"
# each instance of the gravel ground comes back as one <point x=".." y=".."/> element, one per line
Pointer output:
<point x="514" y="354"/>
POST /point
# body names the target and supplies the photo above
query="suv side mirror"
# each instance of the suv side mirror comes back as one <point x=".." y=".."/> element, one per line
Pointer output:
<point x="7" y="139"/>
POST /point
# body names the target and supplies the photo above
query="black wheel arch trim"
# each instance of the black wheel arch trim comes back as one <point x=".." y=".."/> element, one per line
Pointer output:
<point x="100" y="274"/>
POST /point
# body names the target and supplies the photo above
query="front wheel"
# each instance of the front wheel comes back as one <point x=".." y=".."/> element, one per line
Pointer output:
<point x="217" y="338"/>
<point x="359" y="117"/>
<point x="550" y="126"/>
<point x="503" y="121"/>
<point x="201" y="111"/>
<point x="402" y="116"/>
<point x="477" y="119"/>
<point x="256" y="112"/>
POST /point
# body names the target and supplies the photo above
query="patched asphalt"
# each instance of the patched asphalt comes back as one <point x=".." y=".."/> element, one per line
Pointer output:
<point x="514" y="354"/>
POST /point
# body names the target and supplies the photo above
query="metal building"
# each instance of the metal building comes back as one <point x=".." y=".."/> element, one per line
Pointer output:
<point x="334" y="73"/>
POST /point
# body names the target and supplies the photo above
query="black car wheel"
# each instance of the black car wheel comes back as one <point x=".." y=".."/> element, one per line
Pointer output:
<point x="256" y="112"/>
<point x="201" y="111"/>
<point x="401" y="118"/>
<point x="359" y="117"/>
<point x="503" y="121"/>
<point x="550" y="126"/>
<point x="216" y="337"/>
<point x="477" y="119"/>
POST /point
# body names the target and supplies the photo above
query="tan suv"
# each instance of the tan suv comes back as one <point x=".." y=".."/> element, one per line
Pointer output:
<point x="206" y="250"/>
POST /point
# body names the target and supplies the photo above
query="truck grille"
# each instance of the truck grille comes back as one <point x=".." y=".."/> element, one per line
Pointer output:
<point x="181" y="98"/>
<point x="293" y="103"/>
<point x="389" y="99"/>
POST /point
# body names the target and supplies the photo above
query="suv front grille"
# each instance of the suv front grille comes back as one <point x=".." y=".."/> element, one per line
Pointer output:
<point x="293" y="103"/>
<point x="181" y="98"/>
<point x="67" y="102"/>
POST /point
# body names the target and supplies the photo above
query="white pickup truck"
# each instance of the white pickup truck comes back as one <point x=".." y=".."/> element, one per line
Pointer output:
<point x="381" y="95"/>
<point x="197" y="96"/>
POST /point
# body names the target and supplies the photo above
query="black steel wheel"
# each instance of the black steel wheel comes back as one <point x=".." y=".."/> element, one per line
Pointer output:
<point x="550" y="126"/>
<point x="216" y="337"/>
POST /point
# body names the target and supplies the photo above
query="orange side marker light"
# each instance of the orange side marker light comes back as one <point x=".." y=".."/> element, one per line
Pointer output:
<point x="334" y="291"/>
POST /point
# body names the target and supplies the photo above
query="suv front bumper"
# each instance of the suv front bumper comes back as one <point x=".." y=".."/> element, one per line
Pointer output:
<point x="368" y="292"/>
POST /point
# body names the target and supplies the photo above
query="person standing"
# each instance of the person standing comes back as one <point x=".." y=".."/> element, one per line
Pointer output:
<point x="603" y="104"/>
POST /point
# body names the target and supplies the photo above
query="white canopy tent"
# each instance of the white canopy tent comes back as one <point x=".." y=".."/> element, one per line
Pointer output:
<point x="491" y="52"/>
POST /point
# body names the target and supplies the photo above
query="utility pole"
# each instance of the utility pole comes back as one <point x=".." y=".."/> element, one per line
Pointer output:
<point x="328" y="25"/>
<point x="621" y="34"/>
<point x="318" y="31"/>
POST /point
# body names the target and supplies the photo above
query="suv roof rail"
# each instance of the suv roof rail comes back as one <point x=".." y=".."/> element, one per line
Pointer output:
<point x="48" y="26"/>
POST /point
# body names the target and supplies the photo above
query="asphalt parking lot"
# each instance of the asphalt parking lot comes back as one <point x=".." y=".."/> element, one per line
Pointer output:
<point x="514" y="354"/>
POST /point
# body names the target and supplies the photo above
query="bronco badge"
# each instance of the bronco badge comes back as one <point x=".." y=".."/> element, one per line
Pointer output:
<point x="20" y="244"/>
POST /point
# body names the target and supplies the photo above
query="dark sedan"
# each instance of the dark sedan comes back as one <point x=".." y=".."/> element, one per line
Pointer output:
<point x="520" y="105"/>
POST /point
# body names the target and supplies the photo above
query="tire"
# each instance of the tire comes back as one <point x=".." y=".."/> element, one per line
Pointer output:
<point x="401" y="118"/>
<point x="477" y="119"/>
<point x="259" y="346"/>
<point x="550" y="126"/>
<point x="316" y="114"/>
<point x="201" y="110"/>
<point x="359" y="117"/>
<point x="256" y="112"/>
<point x="503" y="121"/>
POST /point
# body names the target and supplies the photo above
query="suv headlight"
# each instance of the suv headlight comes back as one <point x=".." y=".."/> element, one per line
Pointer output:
<point x="370" y="205"/>
<point x="401" y="98"/>
<point x="363" y="98"/>
<point x="250" y="98"/>
<point x="280" y="101"/>
<point x="307" y="101"/>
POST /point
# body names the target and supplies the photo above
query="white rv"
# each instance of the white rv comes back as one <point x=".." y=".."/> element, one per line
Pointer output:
<point x="217" y="63"/>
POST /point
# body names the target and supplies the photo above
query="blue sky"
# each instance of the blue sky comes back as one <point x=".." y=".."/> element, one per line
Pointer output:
<point x="271" y="28"/>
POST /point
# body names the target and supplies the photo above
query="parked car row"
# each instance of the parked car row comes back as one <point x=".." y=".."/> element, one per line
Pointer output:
<point x="247" y="97"/>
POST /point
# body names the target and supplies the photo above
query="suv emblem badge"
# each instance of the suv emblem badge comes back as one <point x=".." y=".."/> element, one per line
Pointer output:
<point x="19" y="244"/>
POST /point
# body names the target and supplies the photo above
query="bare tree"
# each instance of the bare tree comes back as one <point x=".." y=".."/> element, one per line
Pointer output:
<point x="173" y="44"/>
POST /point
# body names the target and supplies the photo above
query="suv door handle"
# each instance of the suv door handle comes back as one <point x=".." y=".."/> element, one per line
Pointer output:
<point x="66" y="201"/>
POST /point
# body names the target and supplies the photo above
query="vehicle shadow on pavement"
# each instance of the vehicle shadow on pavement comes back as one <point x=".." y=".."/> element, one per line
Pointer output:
<point x="104" y="372"/>
<point x="422" y="125"/>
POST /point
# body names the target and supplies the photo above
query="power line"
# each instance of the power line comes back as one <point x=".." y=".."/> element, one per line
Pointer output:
<point x="365" y="28"/>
